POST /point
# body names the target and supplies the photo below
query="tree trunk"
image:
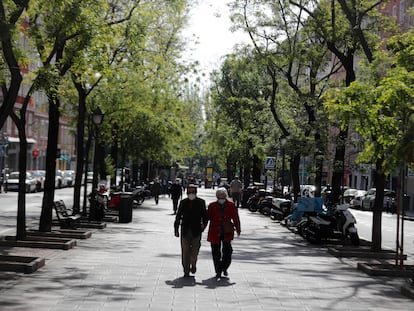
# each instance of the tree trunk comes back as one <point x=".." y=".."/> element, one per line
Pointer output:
<point x="246" y="176"/>
<point x="15" y="78"/>
<point x="256" y="168"/>
<point x="45" y="224"/>
<point x="338" y="167"/>
<point x="379" y="183"/>
<point x="21" y="201"/>
<point x="80" y="149"/>
<point x="294" y="171"/>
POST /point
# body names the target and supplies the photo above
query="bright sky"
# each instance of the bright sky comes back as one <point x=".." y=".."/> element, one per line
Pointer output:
<point x="210" y="23"/>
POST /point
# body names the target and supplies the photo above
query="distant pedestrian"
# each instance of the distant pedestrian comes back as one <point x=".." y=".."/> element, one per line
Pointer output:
<point x="224" y="220"/>
<point x="176" y="192"/>
<point x="235" y="190"/>
<point x="156" y="190"/>
<point x="164" y="185"/>
<point x="192" y="217"/>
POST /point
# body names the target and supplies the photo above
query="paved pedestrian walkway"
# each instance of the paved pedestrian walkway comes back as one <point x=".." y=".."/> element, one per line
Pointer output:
<point x="137" y="266"/>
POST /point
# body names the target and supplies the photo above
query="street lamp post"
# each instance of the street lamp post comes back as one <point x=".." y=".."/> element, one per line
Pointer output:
<point x="97" y="118"/>
<point x="282" y="143"/>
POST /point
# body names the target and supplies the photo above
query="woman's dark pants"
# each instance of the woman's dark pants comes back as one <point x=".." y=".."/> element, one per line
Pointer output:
<point x="221" y="255"/>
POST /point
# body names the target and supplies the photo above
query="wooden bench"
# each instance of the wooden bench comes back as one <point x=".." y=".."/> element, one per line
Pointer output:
<point x="65" y="216"/>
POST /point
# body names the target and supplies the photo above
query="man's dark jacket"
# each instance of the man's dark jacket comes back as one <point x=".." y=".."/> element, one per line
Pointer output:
<point x="191" y="215"/>
<point x="176" y="191"/>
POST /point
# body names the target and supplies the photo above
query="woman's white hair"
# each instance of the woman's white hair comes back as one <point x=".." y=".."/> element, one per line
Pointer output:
<point x="221" y="191"/>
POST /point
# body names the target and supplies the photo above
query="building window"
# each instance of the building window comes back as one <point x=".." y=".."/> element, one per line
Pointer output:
<point x="44" y="129"/>
<point x="402" y="11"/>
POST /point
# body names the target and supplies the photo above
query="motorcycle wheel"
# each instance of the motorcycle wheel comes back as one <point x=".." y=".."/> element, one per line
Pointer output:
<point x="354" y="239"/>
<point x="140" y="200"/>
<point x="252" y="207"/>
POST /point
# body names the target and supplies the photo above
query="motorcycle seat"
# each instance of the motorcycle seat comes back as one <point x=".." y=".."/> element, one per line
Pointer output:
<point x="320" y="221"/>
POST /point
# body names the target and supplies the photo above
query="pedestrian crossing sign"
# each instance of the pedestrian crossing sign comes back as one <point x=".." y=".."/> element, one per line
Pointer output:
<point x="270" y="163"/>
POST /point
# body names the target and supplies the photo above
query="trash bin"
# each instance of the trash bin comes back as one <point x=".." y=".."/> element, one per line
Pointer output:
<point x="125" y="207"/>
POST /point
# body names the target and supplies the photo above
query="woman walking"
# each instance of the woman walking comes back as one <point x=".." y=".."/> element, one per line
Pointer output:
<point x="224" y="220"/>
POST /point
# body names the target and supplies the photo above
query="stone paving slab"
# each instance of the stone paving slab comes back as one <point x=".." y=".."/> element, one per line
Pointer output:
<point x="137" y="266"/>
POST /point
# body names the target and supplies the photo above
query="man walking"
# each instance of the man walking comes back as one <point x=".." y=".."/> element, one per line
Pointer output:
<point x="176" y="192"/>
<point x="235" y="190"/>
<point x="192" y="216"/>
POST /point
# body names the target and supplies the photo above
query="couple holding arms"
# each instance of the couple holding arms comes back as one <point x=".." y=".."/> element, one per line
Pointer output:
<point x="193" y="217"/>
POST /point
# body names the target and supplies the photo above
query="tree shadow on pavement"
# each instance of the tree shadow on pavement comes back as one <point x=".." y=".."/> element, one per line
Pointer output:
<point x="213" y="282"/>
<point x="181" y="282"/>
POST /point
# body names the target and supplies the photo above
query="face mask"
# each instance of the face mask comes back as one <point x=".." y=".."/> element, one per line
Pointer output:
<point x="221" y="201"/>
<point x="191" y="196"/>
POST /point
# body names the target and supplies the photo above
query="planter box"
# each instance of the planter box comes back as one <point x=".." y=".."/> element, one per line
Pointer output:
<point x="62" y="233"/>
<point x="21" y="264"/>
<point x="405" y="271"/>
<point x="362" y="252"/>
<point x="86" y="224"/>
<point x="39" y="242"/>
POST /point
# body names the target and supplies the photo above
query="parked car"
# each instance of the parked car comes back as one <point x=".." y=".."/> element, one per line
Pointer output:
<point x="58" y="179"/>
<point x="13" y="182"/>
<point x="89" y="177"/>
<point x="349" y="194"/>
<point x="369" y="200"/>
<point x="390" y="204"/>
<point x="356" y="201"/>
<point x="40" y="177"/>
<point x="69" y="178"/>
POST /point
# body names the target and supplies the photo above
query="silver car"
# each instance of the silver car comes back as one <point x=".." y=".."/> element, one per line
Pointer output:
<point x="69" y="178"/>
<point x="13" y="182"/>
<point x="356" y="201"/>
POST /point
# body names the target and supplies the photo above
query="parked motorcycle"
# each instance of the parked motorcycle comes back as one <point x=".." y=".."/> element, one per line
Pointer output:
<point x="335" y="222"/>
<point x="300" y="210"/>
<point x="281" y="208"/>
<point x="139" y="195"/>
<point x="98" y="204"/>
<point x="265" y="205"/>
<point x="247" y="194"/>
<point x="254" y="200"/>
